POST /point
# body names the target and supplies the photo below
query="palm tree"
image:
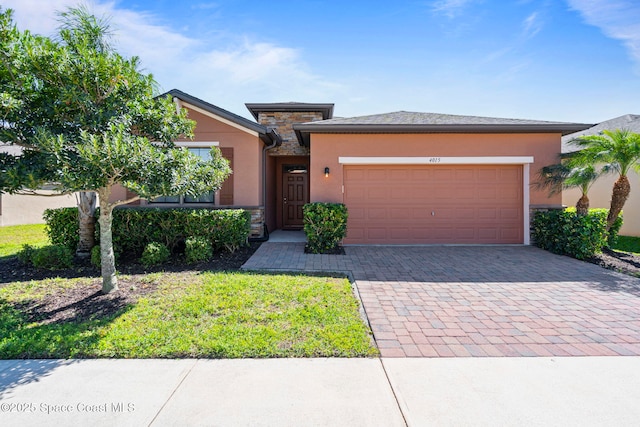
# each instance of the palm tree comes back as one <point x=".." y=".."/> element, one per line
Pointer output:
<point x="566" y="175"/>
<point x="618" y="152"/>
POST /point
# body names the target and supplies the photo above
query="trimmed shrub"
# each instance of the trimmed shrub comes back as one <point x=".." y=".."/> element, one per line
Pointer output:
<point x="325" y="225"/>
<point x="25" y="255"/>
<point x="197" y="249"/>
<point x="96" y="260"/>
<point x="155" y="253"/>
<point x="52" y="257"/>
<point x="612" y="239"/>
<point x="564" y="232"/>
<point x="62" y="227"/>
<point x="134" y="228"/>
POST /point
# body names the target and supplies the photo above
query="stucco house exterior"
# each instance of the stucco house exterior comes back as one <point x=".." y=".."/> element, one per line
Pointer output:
<point x="19" y="209"/>
<point x="600" y="192"/>
<point x="406" y="178"/>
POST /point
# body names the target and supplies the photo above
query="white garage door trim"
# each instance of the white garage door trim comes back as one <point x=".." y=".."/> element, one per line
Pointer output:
<point x="525" y="161"/>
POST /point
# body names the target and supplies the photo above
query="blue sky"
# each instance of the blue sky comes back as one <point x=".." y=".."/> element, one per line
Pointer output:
<point x="564" y="60"/>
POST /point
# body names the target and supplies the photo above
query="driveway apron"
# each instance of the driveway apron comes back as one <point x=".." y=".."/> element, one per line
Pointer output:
<point x="461" y="301"/>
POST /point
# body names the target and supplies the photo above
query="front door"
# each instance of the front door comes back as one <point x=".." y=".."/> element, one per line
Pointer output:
<point x="294" y="195"/>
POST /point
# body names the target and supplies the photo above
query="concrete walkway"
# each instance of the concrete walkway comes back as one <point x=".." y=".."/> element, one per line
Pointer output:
<point x="322" y="392"/>
<point x="452" y="301"/>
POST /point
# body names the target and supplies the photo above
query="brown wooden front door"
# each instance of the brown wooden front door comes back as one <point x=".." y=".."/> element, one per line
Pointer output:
<point x="294" y="196"/>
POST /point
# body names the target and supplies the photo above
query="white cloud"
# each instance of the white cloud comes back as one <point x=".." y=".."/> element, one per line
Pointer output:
<point x="450" y="8"/>
<point x="244" y="71"/>
<point x="618" y="19"/>
<point x="531" y="25"/>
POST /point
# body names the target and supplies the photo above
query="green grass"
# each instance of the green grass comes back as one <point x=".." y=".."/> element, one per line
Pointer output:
<point x="211" y="315"/>
<point x="628" y="244"/>
<point x="12" y="237"/>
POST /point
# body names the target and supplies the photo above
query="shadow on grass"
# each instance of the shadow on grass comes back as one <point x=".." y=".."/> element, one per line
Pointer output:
<point x="68" y="331"/>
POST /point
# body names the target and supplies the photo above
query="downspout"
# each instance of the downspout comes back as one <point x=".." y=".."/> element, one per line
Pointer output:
<point x="266" y="148"/>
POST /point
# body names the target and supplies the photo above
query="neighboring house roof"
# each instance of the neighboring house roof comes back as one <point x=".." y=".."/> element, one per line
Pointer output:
<point x="628" y="121"/>
<point x="257" y="108"/>
<point x="267" y="135"/>
<point x="412" y="122"/>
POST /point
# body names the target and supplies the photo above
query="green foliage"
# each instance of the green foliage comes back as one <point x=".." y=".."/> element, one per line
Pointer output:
<point x="325" y="225"/>
<point x="62" y="226"/>
<point x="25" y="255"/>
<point x="628" y="244"/>
<point x="155" y="253"/>
<point x="211" y="315"/>
<point x="612" y="238"/>
<point x="52" y="257"/>
<point x="95" y="256"/>
<point x="134" y="228"/>
<point x="564" y="232"/>
<point x="197" y="249"/>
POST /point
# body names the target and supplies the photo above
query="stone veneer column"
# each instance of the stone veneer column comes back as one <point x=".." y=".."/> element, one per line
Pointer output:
<point x="283" y="123"/>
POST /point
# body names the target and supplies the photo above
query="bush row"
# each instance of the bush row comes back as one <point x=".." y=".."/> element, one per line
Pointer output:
<point x="325" y="225"/>
<point x="52" y="257"/>
<point x="134" y="228"/>
<point x="565" y="232"/>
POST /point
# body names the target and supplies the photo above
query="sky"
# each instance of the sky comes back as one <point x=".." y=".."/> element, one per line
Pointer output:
<point x="558" y="60"/>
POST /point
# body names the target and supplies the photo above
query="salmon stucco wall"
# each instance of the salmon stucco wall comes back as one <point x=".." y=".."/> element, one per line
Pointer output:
<point x="600" y="197"/>
<point x="247" y="152"/>
<point x="326" y="148"/>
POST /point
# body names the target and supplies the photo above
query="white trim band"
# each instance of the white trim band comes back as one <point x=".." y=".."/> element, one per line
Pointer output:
<point x="198" y="144"/>
<point x="496" y="160"/>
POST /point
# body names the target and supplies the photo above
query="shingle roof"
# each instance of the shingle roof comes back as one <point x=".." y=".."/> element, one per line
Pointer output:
<point x="412" y="122"/>
<point x="266" y="134"/>
<point x="628" y="121"/>
<point x="413" y="118"/>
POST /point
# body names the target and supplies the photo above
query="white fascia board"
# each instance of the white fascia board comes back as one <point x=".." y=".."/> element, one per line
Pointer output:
<point x="198" y="144"/>
<point x="435" y="160"/>
<point x="220" y="119"/>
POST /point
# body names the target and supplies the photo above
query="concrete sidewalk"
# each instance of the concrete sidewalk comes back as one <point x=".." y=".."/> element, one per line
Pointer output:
<point x="594" y="391"/>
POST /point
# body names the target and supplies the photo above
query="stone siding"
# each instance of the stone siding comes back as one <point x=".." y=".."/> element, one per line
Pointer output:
<point x="283" y="123"/>
<point x="257" y="222"/>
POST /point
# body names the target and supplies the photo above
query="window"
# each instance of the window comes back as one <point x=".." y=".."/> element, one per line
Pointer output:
<point x="203" y="153"/>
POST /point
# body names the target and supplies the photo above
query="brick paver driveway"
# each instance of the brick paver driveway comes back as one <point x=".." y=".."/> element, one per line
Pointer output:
<point x="446" y="301"/>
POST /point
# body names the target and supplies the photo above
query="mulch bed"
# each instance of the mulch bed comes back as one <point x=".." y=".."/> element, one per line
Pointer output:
<point x="621" y="262"/>
<point x="84" y="301"/>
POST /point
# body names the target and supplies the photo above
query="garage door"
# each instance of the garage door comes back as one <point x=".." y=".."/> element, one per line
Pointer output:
<point x="406" y="204"/>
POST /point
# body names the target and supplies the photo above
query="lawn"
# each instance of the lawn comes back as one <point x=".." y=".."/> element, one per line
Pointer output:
<point x="12" y="237"/>
<point x="628" y="244"/>
<point x="206" y="315"/>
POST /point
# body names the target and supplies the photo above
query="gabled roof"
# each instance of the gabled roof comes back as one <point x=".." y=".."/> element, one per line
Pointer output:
<point x="268" y="135"/>
<point x="412" y="122"/>
<point x="628" y="121"/>
<point x="257" y="108"/>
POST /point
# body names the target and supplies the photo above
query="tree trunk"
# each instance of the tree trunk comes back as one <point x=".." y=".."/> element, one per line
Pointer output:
<point x="87" y="226"/>
<point x="107" y="258"/>
<point x="621" y="190"/>
<point x="582" y="207"/>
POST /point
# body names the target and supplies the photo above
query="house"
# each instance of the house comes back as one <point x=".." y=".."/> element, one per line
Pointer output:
<point x="18" y="209"/>
<point x="406" y="178"/>
<point x="600" y="192"/>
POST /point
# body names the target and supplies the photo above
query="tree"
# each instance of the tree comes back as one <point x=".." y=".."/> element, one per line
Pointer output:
<point x="66" y="86"/>
<point x="88" y="120"/>
<point x="567" y="175"/>
<point x="617" y="152"/>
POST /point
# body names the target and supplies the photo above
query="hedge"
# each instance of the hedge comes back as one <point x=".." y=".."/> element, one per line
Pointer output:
<point x="325" y="225"/>
<point x="564" y="232"/>
<point x="134" y="228"/>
